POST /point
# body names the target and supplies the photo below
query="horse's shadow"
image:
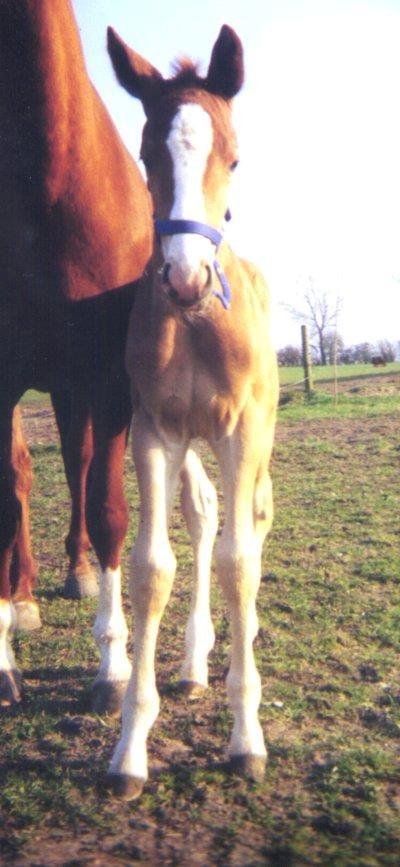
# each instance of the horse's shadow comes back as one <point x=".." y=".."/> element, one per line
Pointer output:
<point x="55" y="691"/>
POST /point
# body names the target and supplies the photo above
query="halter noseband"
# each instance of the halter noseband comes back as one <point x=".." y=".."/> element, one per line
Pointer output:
<point x="192" y="227"/>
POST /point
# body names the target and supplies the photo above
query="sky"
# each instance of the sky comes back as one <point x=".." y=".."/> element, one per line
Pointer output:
<point x="316" y="196"/>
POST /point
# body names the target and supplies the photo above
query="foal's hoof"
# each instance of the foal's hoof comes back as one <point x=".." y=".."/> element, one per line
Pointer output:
<point x="27" y="614"/>
<point x="191" y="689"/>
<point x="81" y="586"/>
<point x="125" y="787"/>
<point x="249" y="766"/>
<point x="10" y="688"/>
<point x="107" y="697"/>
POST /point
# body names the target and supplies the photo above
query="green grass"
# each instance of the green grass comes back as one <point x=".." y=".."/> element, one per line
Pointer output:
<point x="344" y="371"/>
<point x="327" y="650"/>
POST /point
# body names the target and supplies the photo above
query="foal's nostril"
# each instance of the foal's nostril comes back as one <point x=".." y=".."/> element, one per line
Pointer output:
<point x="173" y="294"/>
<point x="165" y="273"/>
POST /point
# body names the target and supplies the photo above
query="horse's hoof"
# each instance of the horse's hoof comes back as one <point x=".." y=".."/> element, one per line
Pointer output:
<point x="191" y="689"/>
<point x="125" y="787"/>
<point x="249" y="766"/>
<point x="27" y="615"/>
<point x="81" y="586"/>
<point x="107" y="697"/>
<point x="10" y="688"/>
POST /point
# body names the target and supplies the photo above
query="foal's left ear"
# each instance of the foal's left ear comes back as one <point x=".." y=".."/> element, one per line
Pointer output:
<point x="135" y="73"/>
<point x="225" y="74"/>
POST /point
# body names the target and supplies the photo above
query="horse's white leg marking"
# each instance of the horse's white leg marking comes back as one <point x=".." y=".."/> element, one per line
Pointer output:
<point x="199" y="506"/>
<point x="153" y="570"/>
<point x="189" y="143"/>
<point x="248" y="514"/>
<point x="110" y="630"/>
<point x="8" y="666"/>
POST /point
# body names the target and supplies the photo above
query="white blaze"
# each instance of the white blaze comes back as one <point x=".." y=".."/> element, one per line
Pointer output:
<point x="189" y="142"/>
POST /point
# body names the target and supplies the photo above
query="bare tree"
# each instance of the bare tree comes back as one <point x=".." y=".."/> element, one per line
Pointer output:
<point x="387" y="350"/>
<point x="320" y="313"/>
<point x="289" y="356"/>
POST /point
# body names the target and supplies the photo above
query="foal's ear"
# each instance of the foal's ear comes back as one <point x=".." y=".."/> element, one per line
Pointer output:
<point x="225" y="74"/>
<point x="135" y="73"/>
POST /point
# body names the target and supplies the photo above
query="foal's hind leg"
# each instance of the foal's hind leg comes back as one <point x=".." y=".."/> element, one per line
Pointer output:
<point x="153" y="571"/>
<point x="248" y="516"/>
<point x="199" y="506"/>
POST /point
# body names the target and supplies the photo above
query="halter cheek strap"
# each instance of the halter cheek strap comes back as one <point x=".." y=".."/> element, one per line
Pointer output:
<point x="192" y="227"/>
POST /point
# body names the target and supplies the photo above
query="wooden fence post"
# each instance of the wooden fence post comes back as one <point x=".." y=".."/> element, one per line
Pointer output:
<point x="308" y="378"/>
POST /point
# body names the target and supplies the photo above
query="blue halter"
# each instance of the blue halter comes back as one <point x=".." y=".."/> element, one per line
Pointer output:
<point x="192" y="227"/>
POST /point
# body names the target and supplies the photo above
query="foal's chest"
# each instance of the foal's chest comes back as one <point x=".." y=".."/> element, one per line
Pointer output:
<point x="191" y="383"/>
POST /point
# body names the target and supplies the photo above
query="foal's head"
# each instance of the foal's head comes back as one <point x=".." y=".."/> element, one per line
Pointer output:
<point x="189" y="151"/>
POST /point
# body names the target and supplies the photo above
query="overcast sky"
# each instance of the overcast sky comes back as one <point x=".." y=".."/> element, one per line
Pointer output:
<point x="317" y="192"/>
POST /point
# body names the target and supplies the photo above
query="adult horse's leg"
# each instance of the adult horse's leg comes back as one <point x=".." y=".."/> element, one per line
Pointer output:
<point x="10" y="678"/>
<point x="23" y="568"/>
<point x="107" y="515"/>
<point x="153" y="570"/>
<point x="200" y="509"/>
<point x="243" y="459"/>
<point x="75" y="426"/>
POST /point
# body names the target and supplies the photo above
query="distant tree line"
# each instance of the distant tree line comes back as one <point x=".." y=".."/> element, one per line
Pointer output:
<point x="290" y="356"/>
<point x="319" y="312"/>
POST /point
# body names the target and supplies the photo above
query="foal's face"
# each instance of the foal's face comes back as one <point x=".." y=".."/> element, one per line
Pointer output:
<point x="189" y="151"/>
<point x="189" y="161"/>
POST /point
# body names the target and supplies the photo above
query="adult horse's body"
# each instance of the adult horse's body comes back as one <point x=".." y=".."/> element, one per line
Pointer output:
<point x="75" y="232"/>
<point x="201" y="365"/>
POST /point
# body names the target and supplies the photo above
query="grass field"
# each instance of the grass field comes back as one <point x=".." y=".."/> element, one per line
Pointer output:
<point x="344" y="372"/>
<point x="328" y="651"/>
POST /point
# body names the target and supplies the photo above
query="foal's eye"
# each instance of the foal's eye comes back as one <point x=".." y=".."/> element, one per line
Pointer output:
<point x="234" y="165"/>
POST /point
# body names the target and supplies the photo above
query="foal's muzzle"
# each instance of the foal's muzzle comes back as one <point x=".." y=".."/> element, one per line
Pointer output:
<point x="186" y="292"/>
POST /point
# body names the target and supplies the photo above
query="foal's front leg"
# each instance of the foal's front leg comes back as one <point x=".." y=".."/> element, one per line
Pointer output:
<point x="153" y="571"/>
<point x="243" y="458"/>
<point x="200" y="509"/>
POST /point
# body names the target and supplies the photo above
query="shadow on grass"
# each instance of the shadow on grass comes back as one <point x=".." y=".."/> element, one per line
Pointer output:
<point x="58" y="691"/>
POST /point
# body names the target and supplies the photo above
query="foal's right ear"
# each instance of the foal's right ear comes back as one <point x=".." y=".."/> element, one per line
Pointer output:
<point x="135" y="73"/>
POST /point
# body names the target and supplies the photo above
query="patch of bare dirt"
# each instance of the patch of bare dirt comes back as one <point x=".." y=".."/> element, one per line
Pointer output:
<point x="364" y="386"/>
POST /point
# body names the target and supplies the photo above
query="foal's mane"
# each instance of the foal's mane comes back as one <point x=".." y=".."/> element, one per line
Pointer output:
<point x="185" y="73"/>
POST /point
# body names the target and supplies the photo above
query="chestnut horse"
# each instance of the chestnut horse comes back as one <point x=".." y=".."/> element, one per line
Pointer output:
<point x="201" y="362"/>
<point x="75" y="233"/>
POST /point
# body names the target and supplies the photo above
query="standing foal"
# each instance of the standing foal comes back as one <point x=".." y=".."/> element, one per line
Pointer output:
<point x="202" y="365"/>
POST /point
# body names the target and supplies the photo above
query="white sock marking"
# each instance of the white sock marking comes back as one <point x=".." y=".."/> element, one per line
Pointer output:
<point x="110" y="630"/>
<point x="7" y="624"/>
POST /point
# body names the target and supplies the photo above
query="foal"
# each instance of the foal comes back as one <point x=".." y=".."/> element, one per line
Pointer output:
<point x="202" y="365"/>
